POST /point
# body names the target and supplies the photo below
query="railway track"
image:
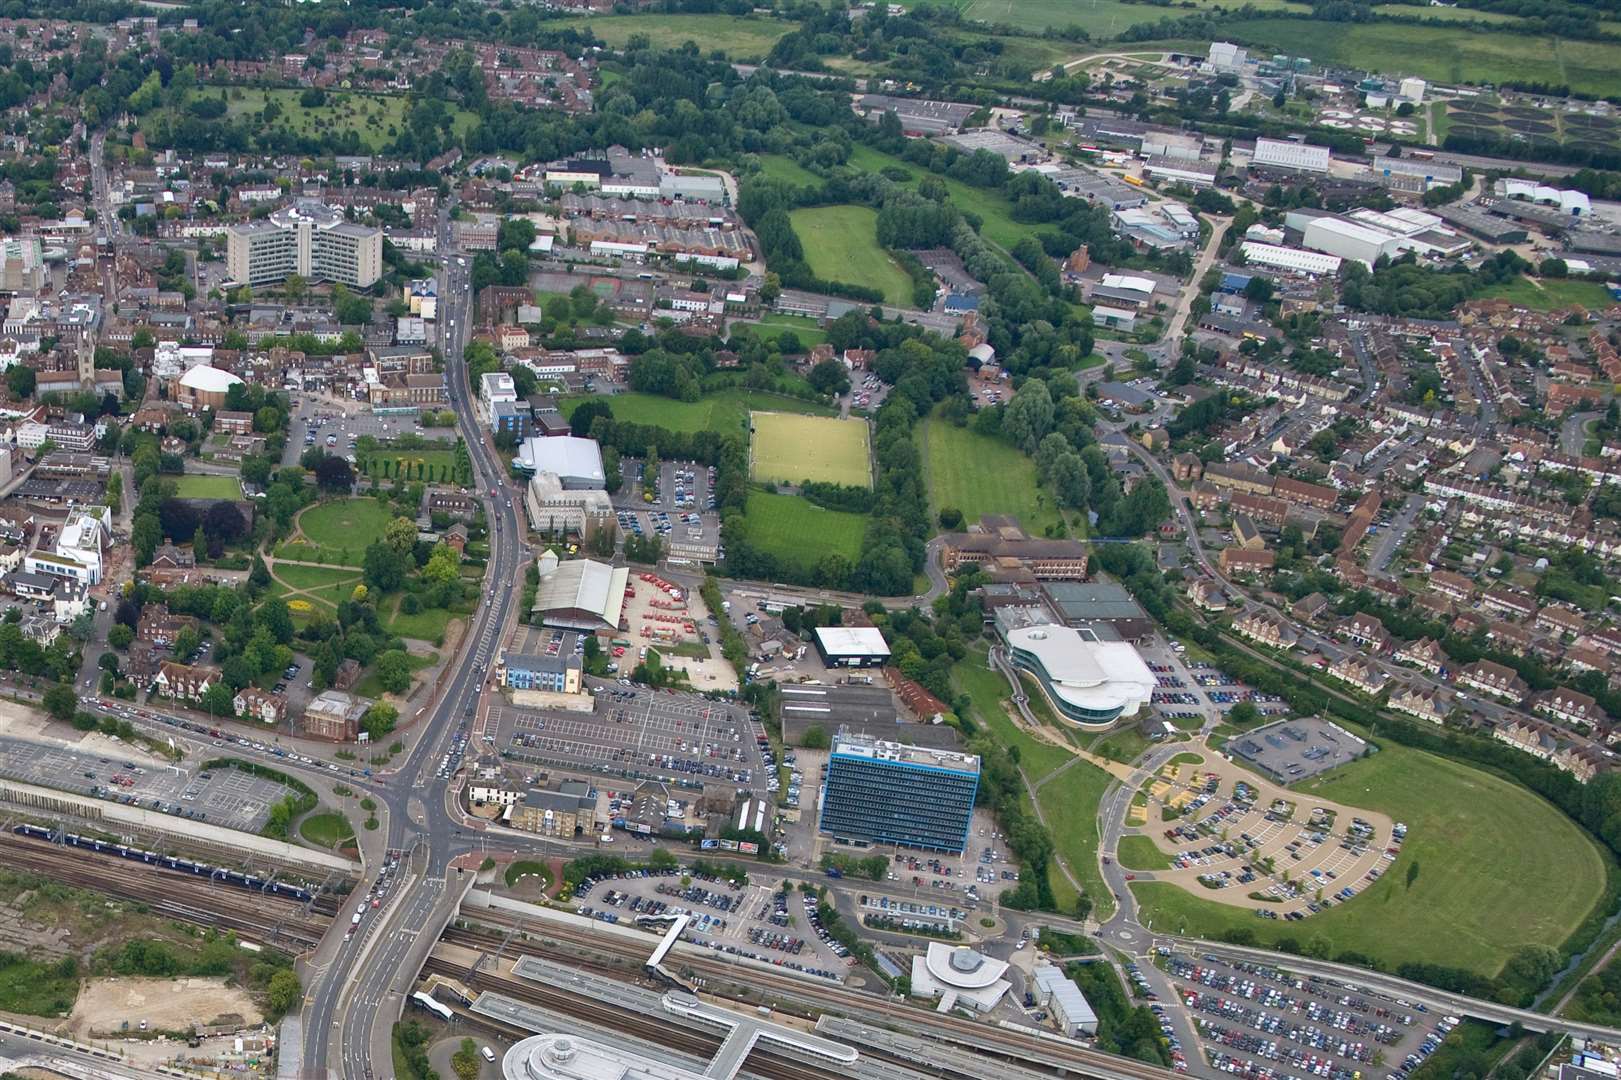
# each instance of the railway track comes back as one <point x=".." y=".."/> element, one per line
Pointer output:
<point x="984" y="1038"/>
<point x="650" y="1029"/>
<point x="262" y="919"/>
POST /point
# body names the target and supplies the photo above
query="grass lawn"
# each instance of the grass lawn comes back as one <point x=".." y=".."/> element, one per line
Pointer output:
<point x="841" y="244"/>
<point x="799" y="532"/>
<point x="973" y="676"/>
<point x="345" y="524"/>
<point x="528" y="868"/>
<point x="748" y="38"/>
<point x="204" y="486"/>
<point x="1545" y="294"/>
<point x="1140" y="853"/>
<point x="726" y="411"/>
<point x="333" y="556"/>
<point x="782" y="167"/>
<point x="990" y="207"/>
<point x="375" y="118"/>
<point x="980" y="475"/>
<point x="769" y="327"/>
<point x="426" y="625"/>
<point x="1485" y="850"/>
<point x="326" y="830"/>
<point x="1070" y="802"/>
<point x="789" y="448"/>
<point x="426" y="465"/>
<point x="1442" y="54"/>
<point x="319" y="583"/>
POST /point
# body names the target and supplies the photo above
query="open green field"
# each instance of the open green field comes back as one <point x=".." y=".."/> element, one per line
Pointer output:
<point x="427" y="465"/>
<point x="1545" y="294"/>
<point x="1485" y="849"/>
<point x="800" y="532"/>
<point x="841" y="244"/>
<point x="1442" y="54"/>
<point x="993" y="210"/>
<point x="781" y="167"/>
<point x="791" y="447"/>
<point x="345" y="524"/>
<point x="317" y="584"/>
<point x="1070" y="802"/>
<point x="371" y="685"/>
<point x="204" y="486"/>
<point x="748" y="38"/>
<point x="727" y="410"/>
<point x="1141" y="853"/>
<point x="771" y="327"/>
<point x="375" y="118"/>
<point x="979" y="475"/>
<point x="426" y="625"/>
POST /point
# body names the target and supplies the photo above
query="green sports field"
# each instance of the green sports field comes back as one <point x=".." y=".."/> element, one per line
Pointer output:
<point x="979" y="475"/>
<point x="726" y="411"/>
<point x="1497" y="868"/>
<point x="841" y="244"/>
<point x="790" y="448"/>
<point x="800" y="532"/>
<point x="207" y="486"/>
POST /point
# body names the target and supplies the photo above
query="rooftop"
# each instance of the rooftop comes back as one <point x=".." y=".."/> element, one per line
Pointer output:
<point x="878" y="750"/>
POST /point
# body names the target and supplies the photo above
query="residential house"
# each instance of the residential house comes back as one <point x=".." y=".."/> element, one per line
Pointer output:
<point x="1425" y="654"/>
<point x="1570" y="707"/>
<point x="1360" y="673"/>
<point x="1424" y="702"/>
<point x="1493" y="678"/>
<point x="1367" y="631"/>
<point x="184" y="682"/>
<point x="1266" y="628"/>
<point x="252" y="703"/>
<point x="1236" y="560"/>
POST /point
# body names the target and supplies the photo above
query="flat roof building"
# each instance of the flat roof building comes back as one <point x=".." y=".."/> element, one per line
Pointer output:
<point x="888" y="793"/>
<point x="1293" y="156"/>
<point x="958" y="975"/>
<point x="851" y="646"/>
<point x="1317" y="264"/>
<point x="309" y="239"/>
<point x="577" y="462"/>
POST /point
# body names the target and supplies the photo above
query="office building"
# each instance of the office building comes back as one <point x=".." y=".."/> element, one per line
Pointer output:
<point x="309" y="239"/>
<point x="1089" y="682"/>
<point x="558" y="674"/>
<point x="887" y="793"/>
<point x="22" y="264"/>
<point x="1293" y="156"/>
<point x="959" y="976"/>
<point x="556" y="508"/>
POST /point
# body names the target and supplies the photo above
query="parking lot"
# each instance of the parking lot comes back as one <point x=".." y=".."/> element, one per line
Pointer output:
<point x="1298" y="749"/>
<point x="1262" y="1023"/>
<point x="223" y="796"/>
<point x="679" y="508"/>
<point x="324" y="419"/>
<point x="764" y="919"/>
<point x="867" y="393"/>
<point x="636" y="734"/>
<point x="1233" y="837"/>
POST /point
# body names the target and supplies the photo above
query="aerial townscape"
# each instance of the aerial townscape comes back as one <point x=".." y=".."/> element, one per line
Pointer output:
<point x="699" y="539"/>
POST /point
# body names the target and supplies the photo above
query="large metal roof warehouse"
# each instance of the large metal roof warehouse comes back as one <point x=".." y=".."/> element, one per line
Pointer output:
<point x="581" y="594"/>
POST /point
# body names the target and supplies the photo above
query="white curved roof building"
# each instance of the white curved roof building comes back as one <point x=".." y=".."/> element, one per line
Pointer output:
<point x="568" y="1057"/>
<point x="1089" y="682"/>
<point x="959" y="975"/>
<point x="205" y="387"/>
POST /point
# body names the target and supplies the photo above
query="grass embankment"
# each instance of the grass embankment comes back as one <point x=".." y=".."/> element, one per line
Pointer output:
<point x="841" y="244"/>
<point x="980" y="475"/>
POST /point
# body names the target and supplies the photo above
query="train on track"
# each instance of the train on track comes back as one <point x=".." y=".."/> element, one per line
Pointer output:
<point x="287" y="889"/>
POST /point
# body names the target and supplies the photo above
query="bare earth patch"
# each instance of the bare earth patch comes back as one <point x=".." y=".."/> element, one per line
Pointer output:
<point x="165" y="1004"/>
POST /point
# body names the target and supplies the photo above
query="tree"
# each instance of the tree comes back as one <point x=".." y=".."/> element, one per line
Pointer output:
<point x="1029" y="416"/>
<point x="465" y="1061"/>
<point x="273" y="615"/>
<point x="20" y="380"/>
<point x="444" y="565"/>
<point x="61" y="702"/>
<point x="384" y="567"/>
<point x="950" y="518"/>
<point x="218" y="700"/>
<point x="283" y="991"/>
<point x="585" y="413"/>
<point x="379" y="720"/>
<point x="394" y="671"/>
<point x="120" y="636"/>
<point x="829" y="377"/>
<point x="400" y="534"/>
<point x="332" y="473"/>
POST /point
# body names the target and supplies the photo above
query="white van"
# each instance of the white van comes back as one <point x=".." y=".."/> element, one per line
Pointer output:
<point x="489" y="1055"/>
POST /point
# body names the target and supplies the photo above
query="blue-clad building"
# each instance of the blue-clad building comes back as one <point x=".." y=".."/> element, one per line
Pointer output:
<point x="888" y="793"/>
<point x="559" y="674"/>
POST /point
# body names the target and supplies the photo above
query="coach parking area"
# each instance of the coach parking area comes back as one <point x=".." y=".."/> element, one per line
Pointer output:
<point x="765" y="919"/>
<point x="1261" y="1023"/>
<point x="225" y="797"/>
<point x="636" y="734"/>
